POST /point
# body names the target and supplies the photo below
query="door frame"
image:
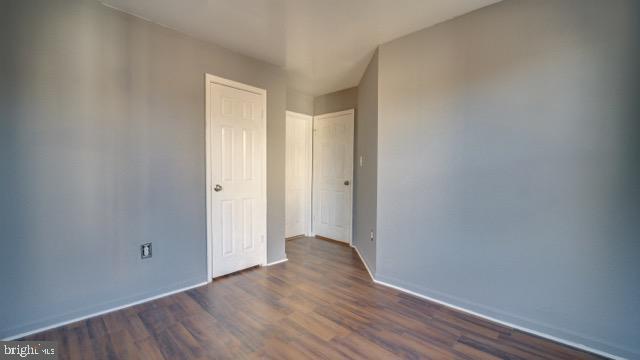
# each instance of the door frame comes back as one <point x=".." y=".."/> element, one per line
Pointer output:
<point x="309" y="171"/>
<point x="314" y="190"/>
<point x="209" y="79"/>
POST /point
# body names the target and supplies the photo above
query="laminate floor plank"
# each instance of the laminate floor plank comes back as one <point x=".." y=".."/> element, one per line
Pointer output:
<point x="321" y="304"/>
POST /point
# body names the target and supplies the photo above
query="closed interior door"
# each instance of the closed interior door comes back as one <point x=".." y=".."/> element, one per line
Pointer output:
<point x="237" y="139"/>
<point x="333" y="175"/>
<point x="298" y="174"/>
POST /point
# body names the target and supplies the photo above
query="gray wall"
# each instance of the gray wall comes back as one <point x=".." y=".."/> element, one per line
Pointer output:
<point x="299" y="102"/>
<point x="336" y="101"/>
<point x="366" y="145"/>
<point x="102" y="148"/>
<point x="509" y="181"/>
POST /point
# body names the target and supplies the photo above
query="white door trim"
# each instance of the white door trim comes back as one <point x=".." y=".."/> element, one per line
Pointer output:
<point x="208" y="139"/>
<point x="334" y="114"/>
<point x="350" y="215"/>
<point x="309" y="170"/>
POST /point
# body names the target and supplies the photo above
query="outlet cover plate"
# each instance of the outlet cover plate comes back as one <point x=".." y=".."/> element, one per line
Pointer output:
<point x="145" y="251"/>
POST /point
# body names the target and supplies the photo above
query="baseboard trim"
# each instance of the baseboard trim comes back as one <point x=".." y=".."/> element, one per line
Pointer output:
<point x="277" y="262"/>
<point x="98" y="313"/>
<point x="489" y="318"/>
<point x="364" y="262"/>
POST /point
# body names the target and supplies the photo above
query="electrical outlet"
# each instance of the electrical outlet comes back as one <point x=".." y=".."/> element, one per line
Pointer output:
<point x="145" y="251"/>
<point x="371" y="235"/>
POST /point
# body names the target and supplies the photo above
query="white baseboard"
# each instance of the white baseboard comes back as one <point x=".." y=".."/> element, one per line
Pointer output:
<point x="277" y="262"/>
<point x="511" y="325"/>
<point x="364" y="262"/>
<point x="489" y="318"/>
<point x="84" y="317"/>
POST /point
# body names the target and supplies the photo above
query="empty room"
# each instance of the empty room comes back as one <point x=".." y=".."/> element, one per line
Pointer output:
<point x="320" y="179"/>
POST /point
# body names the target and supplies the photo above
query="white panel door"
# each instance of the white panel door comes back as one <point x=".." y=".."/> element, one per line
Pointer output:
<point x="237" y="178"/>
<point x="298" y="174"/>
<point x="333" y="175"/>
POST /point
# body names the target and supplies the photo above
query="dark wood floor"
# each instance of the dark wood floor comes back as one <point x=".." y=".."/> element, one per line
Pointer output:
<point x="319" y="304"/>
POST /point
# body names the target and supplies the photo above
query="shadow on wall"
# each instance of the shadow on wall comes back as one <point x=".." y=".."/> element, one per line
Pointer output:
<point x="102" y="149"/>
<point x="506" y="166"/>
<point x="97" y="159"/>
<point x="336" y="101"/>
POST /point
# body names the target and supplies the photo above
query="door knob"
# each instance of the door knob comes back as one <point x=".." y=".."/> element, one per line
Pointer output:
<point x="217" y="188"/>
<point x="346" y="182"/>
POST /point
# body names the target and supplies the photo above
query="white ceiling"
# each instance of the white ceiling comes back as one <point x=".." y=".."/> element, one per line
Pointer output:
<point x="324" y="45"/>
